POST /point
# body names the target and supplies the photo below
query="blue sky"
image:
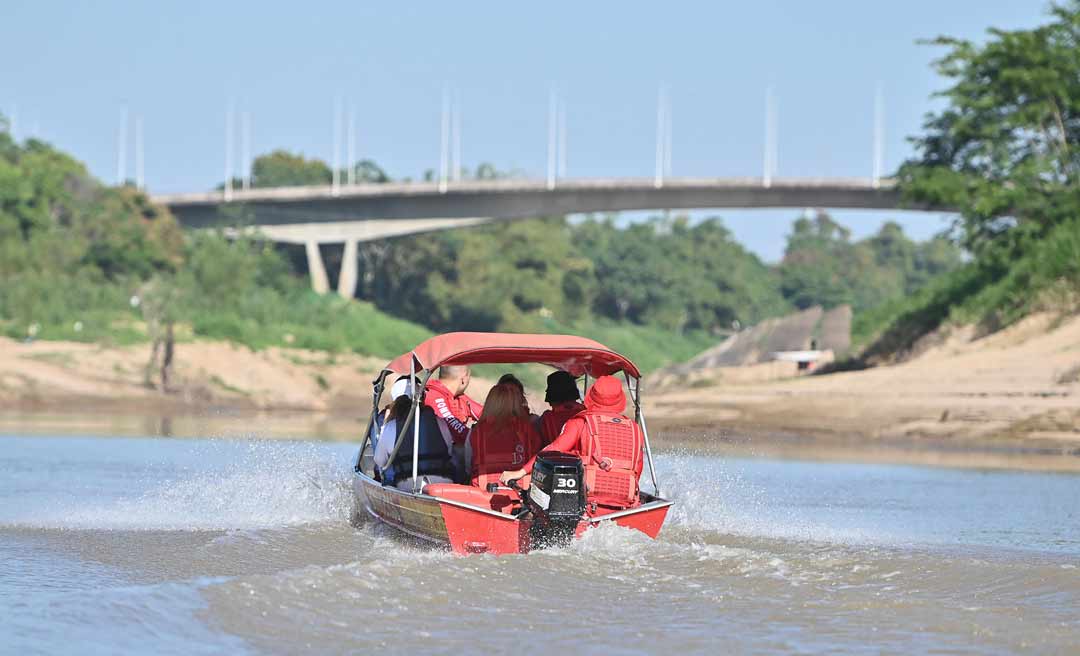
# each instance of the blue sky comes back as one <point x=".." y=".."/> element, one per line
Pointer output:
<point x="69" y="67"/>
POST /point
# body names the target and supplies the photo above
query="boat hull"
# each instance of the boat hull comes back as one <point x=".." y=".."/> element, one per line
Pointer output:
<point x="456" y="517"/>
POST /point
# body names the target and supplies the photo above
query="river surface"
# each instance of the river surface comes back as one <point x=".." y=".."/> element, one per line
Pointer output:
<point x="121" y="545"/>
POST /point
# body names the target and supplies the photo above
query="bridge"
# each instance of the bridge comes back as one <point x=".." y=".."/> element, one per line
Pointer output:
<point x="348" y="214"/>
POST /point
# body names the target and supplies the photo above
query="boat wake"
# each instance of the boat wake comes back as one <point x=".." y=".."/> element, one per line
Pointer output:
<point x="232" y="485"/>
<point x="712" y="497"/>
<point x="251" y="485"/>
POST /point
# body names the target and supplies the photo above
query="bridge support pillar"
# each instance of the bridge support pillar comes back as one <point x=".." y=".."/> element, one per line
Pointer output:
<point x="320" y="283"/>
<point x="347" y="279"/>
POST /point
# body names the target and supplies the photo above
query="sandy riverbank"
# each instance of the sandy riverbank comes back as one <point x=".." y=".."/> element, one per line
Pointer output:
<point x="962" y="400"/>
<point x="1008" y="400"/>
<point x="70" y="376"/>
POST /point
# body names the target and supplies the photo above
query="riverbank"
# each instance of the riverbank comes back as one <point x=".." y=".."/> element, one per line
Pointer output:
<point x="1008" y="400"/>
<point x="208" y="377"/>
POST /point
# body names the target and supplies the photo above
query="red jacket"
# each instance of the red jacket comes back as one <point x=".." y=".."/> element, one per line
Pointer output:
<point x="457" y="411"/>
<point x="614" y="488"/>
<point x="496" y="449"/>
<point x="552" y="421"/>
<point x="570" y="440"/>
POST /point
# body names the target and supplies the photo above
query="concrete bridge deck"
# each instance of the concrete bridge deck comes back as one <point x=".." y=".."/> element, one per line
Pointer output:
<point x="350" y="214"/>
<point x="515" y="199"/>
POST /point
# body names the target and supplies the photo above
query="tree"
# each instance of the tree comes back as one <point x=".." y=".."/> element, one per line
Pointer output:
<point x="284" y="169"/>
<point x="822" y="266"/>
<point x="817" y="257"/>
<point x="678" y="275"/>
<point x="368" y="171"/>
<point x="1004" y="150"/>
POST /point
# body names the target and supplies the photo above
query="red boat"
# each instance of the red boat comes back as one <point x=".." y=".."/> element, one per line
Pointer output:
<point x="500" y="519"/>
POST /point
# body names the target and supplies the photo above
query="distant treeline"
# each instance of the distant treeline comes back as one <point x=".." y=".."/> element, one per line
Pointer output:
<point x="668" y="273"/>
<point x="80" y="260"/>
<point x="674" y="274"/>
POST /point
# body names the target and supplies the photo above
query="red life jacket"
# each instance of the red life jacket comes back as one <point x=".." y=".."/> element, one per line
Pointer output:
<point x="611" y="451"/>
<point x="552" y="421"/>
<point x="456" y="411"/>
<point x="502" y="448"/>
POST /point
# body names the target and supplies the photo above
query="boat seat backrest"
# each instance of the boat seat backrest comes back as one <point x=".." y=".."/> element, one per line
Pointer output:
<point x="612" y="457"/>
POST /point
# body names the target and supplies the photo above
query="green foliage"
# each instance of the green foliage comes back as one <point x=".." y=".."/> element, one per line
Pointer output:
<point x="368" y="171"/>
<point x="1004" y="153"/>
<point x="1004" y="149"/>
<point x="284" y="169"/>
<point x="822" y="266"/>
<point x="244" y="291"/>
<point x="520" y="275"/>
<point x="678" y="276"/>
<point x="505" y="277"/>
<point x="650" y="347"/>
<point x="309" y="321"/>
<point x="671" y="275"/>
<point x="73" y="253"/>
<point x="71" y="250"/>
<point x="990" y="292"/>
<point x="280" y="168"/>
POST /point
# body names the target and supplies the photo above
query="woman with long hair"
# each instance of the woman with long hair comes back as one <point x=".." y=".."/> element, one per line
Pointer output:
<point x="504" y="438"/>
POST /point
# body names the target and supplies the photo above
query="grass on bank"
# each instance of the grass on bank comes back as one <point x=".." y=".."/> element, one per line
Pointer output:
<point x="308" y="321"/>
<point x="65" y="308"/>
<point x="70" y="310"/>
<point x="991" y="293"/>
<point x="648" y="347"/>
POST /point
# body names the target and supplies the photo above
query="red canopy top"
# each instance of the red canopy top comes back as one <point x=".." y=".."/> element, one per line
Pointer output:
<point x="575" y="355"/>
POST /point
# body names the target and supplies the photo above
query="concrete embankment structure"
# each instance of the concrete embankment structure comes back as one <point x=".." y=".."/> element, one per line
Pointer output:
<point x="752" y="353"/>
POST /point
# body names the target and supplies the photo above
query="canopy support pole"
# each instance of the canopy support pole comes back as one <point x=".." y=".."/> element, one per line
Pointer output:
<point x="378" y="389"/>
<point x="635" y="393"/>
<point x="413" y="411"/>
<point x="416" y="422"/>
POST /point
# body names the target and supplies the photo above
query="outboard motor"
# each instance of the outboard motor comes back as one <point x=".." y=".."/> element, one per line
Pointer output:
<point x="556" y="498"/>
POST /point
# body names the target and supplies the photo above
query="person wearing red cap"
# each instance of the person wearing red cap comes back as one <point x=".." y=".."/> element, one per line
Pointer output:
<point x="609" y="443"/>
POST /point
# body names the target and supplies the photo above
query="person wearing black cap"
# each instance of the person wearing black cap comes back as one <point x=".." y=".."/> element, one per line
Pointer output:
<point x="565" y="401"/>
<point x="610" y="446"/>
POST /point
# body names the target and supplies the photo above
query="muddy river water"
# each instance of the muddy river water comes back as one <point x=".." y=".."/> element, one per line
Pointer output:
<point x="123" y="545"/>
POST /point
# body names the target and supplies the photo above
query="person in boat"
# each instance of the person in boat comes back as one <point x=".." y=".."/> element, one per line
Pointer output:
<point x="446" y="396"/>
<point x="504" y="437"/>
<point x="610" y="446"/>
<point x="511" y="379"/>
<point x="434" y="464"/>
<point x="399" y="389"/>
<point x="565" y="400"/>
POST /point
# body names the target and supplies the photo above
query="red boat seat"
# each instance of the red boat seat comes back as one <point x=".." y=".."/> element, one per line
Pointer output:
<point x="615" y="442"/>
<point x="501" y="501"/>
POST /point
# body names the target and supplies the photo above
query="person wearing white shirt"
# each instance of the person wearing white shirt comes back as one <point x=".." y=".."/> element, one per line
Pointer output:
<point x="436" y="443"/>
